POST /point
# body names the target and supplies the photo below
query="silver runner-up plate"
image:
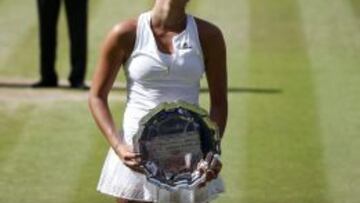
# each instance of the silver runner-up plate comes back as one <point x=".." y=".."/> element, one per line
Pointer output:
<point x="173" y="139"/>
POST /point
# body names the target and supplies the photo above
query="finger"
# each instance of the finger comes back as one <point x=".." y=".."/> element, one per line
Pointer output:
<point x="134" y="159"/>
<point x="218" y="168"/>
<point x="216" y="172"/>
<point x="130" y="155"/>
<point x="203" y="166"/>
<point x="210" y="174"/>
<point x="132" y="163"/>
<point x="209" y="157"/>
<point x="215" y="165"/>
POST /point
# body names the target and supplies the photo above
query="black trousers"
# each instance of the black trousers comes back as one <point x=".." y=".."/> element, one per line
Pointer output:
<point x="76" y="13"/>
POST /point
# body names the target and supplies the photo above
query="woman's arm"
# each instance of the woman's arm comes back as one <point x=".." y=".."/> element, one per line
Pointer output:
<point x="214" y="50"/>
<point x="115" y="50"/>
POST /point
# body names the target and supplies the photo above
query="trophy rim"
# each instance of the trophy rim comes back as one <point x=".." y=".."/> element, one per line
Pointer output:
<point x="178" y="104"/>
<point x="168" y="106"/>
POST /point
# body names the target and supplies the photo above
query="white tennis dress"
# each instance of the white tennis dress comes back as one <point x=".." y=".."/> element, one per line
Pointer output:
<point x="152" y="78"/>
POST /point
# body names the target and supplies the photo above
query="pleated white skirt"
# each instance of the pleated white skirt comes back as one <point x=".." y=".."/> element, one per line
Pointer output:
<point x="119" y="181"/>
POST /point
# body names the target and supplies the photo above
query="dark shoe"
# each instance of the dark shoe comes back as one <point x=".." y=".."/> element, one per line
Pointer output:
<point x="80" y="86"/>
<point x="44" y="84"/>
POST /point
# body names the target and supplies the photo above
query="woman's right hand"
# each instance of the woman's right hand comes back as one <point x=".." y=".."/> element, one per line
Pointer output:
<point x="130" y="158"/>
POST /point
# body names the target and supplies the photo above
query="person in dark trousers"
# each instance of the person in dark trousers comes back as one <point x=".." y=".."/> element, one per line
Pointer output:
<point x="76" y="12"/>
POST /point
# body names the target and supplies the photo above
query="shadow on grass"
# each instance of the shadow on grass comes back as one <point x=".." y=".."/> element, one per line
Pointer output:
<point x="22" y="85"/>
<point x="252" y="90"/>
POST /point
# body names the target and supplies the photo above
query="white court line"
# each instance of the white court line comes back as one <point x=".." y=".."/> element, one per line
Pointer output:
<point x="27" y="94"/>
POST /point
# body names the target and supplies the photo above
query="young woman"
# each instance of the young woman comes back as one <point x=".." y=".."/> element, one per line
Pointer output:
<point x="164" y="52"/>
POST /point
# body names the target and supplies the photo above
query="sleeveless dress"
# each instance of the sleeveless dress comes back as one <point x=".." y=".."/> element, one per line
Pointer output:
<point x="152" y="78"/>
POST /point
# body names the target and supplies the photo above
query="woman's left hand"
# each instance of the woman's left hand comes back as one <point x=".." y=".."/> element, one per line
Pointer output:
<point x="211" y="166"/>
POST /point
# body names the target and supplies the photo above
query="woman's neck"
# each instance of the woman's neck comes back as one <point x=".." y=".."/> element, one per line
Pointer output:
<point x="168" y="15"/>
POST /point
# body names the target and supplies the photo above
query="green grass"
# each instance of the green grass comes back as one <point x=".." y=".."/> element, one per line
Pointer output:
<point x="293" y="130"/>
<point x="284" y="148"/>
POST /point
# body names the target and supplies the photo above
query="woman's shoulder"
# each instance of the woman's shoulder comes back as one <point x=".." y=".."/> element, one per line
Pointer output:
<point x="207" y="29"/>
<point x="125" y="28"/>
<point x="122" y="36"/>
<point x="210" y="36"/>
